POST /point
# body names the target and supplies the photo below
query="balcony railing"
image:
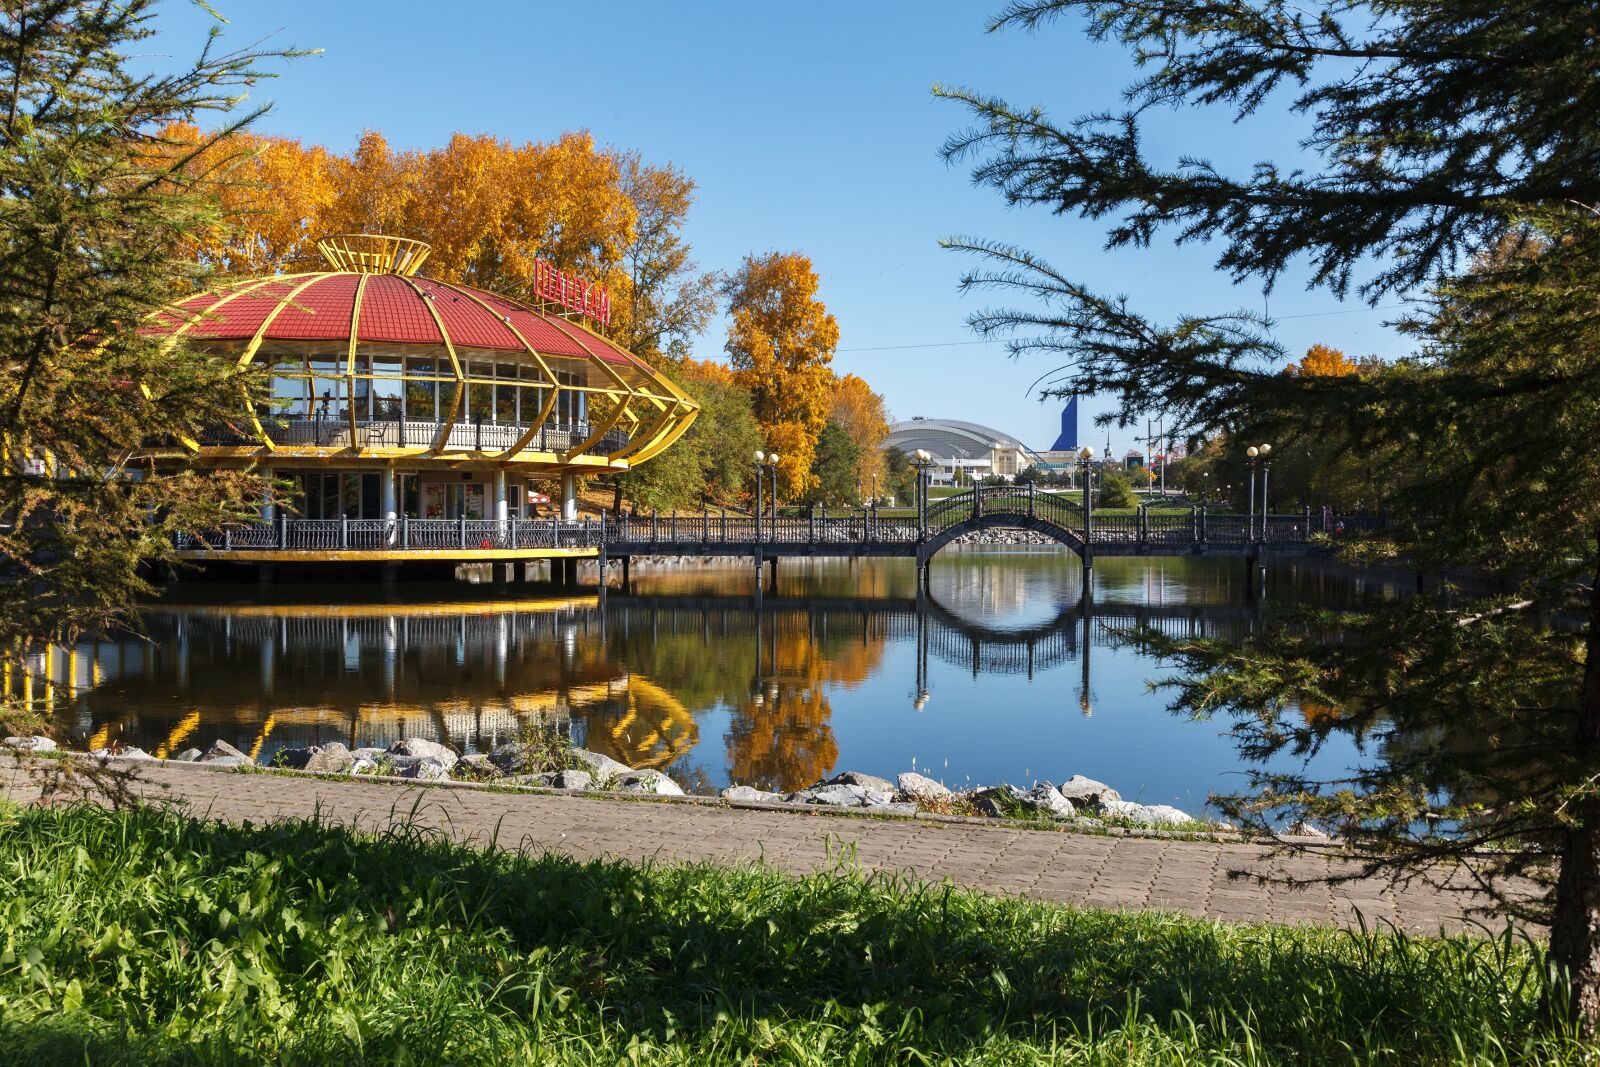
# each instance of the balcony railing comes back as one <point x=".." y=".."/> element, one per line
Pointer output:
<point x="333" y="431"/>
<point x="377" y="535"/>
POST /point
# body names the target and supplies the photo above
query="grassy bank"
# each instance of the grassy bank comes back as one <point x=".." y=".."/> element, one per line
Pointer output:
<point x="146" y="938"/>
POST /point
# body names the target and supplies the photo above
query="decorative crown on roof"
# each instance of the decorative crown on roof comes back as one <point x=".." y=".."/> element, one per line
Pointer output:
<point x="374" y="253"/>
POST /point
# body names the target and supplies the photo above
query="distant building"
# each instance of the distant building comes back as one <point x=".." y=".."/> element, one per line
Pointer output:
<point x="962" y="449"/>
<point x="1064" y="453"/>
<point x="1133" y="460"/>
<point x="1067" y="441"/>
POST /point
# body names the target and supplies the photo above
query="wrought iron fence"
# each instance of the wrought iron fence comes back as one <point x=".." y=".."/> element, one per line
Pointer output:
<point x="692" y="531"/>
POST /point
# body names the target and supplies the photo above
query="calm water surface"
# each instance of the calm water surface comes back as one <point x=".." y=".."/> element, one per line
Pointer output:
<point x="999" y="674"/>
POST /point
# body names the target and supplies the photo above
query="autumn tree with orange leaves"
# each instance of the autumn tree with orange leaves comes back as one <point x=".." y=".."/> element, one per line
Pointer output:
<point x="780" y="342"/>
<point x="865" y="417"/>
<point x="487" y="207"/>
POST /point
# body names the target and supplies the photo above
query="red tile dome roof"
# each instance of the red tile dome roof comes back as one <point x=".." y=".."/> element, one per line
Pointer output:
<point x="392" y="308"/>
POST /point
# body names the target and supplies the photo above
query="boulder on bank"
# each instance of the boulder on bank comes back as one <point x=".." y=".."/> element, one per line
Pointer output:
<point x="647" y="781"/>
<point x="604" y="768"/>
<point x="745" y="794"/>
<point x="476" y="766"/>
<point x="368" y="753"/>
<point x="36" y="743"/>
<point x="188" y="755"/>
<point x="1086" y="792"/>
<point x="865" y="781"/>
<point x="422" y="747"/>
<point x="125" y="753"/>
<point x="225" y="754"/>
<point x="571" y="780"/>
<point x="920" y="788"/>
<point x="1046" y="799"/>
<point x="1146" y="814"/>
<point x="425" y="768"/>
<point x="332" y="758"/>
<point x="844" y="795"/>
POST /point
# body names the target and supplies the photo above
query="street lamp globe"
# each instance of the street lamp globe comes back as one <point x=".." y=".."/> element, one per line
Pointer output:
<point x="1252" y="451"/>
<point x="761" y="457"/>
<point x="1266" y="449"/>
<point x="773" y="459"/>
<point x="1086" y="453"/>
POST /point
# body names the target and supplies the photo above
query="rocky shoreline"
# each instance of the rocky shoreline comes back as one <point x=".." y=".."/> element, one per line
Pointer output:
<point x="1078" y="801"/>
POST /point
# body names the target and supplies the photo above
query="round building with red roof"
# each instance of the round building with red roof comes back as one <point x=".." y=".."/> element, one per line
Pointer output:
<point x="394" y="396"/>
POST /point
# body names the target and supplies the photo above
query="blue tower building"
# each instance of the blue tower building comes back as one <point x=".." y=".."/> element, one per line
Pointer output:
<point x="1068" y="441"/>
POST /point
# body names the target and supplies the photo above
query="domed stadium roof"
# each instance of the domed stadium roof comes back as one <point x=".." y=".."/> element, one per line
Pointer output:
<point x="939" y="435"/>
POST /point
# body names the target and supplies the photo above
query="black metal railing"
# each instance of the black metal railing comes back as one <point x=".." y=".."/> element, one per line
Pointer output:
<point x="380" y="535"/>
<point x="705" y="530"/>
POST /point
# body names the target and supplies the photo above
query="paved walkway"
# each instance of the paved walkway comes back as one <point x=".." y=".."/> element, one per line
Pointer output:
<point x="1070" y="868"/>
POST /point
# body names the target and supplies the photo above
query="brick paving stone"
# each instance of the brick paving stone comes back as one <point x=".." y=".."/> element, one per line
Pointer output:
<point x="1113" y="872"/>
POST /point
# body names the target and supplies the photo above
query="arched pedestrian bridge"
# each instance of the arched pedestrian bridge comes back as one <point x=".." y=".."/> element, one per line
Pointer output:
<point x="1066" y="518"/>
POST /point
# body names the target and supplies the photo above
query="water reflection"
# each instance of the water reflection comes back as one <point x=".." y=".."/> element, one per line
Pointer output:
<point x="1003" y="670"/>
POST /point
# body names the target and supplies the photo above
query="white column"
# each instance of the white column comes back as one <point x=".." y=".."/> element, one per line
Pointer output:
<point x="387" y="495"/>
<point x="269" y="507"/>
<point x="569" y="497"/>
<point x="387" y="505"/>
<point x="501" y="507"/>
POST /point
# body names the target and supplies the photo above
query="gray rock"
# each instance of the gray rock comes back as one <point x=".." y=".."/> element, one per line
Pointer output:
<point x="1086" y="792"/>
<point x="542" y="780"/>
<point x="30" y="744"/>
<point x="604" y="768"/>
<point x="840" y="796"/>
<point x="421" y="746"/>
<point x="221" y="750"/>
<point x="215" y="761"/>
<point x="866" y="781"/>
<point x="1045" y="799"/>
<point x="1145" y="814"/>
<point x="426" y="769"/>
<point x="362" y="765"/>
<point x="188" y="755"/>
<point x="744" y="794"/>
<point x="126" y="753"/>
<point x="648" y="781"/>
<point x="331" y="758"/>
<point x="369" y="754"/>
<point x="571" y="780"/>
<point x="476" y="766"/>
<point x="988" y="806"/>
<point x="914" y="786"/>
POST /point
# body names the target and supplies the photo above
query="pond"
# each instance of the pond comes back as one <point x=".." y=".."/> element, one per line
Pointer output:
<point x="1001" y="672"/>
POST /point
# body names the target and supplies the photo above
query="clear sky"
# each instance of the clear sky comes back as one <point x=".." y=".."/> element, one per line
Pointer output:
<point x="808" y="127"/>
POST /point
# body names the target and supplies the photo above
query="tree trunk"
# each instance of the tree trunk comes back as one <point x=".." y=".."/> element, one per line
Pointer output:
<point x="616" y="499"/>
<point x="1575" y="926"/>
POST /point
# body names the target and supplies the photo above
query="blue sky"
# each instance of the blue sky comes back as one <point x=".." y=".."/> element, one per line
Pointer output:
<point x="808" y="127"/>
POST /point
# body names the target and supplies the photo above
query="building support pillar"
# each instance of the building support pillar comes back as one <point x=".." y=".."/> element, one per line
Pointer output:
<point x="269" y="506"/>
<point x="569" y="496"/>
<point x="388" y="503"/>
<point x="502" y="507"/>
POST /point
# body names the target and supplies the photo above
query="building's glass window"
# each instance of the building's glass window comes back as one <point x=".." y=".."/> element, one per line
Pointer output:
<point x="387" y="387"/>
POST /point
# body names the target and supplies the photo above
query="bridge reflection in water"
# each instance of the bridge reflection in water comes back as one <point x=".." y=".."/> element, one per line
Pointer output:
<point x="638" y="677"/>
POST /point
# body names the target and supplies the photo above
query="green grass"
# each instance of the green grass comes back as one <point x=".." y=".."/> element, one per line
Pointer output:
<point x="142" y="937"/>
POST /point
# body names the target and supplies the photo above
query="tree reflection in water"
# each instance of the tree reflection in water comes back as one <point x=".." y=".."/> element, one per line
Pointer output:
<point x="719" y="688"/>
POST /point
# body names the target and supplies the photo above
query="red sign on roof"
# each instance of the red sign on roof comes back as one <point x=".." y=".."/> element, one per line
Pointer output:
<point x="571" y="292"/>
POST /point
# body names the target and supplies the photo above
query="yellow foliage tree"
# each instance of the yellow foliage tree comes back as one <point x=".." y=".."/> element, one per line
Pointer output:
<point x="272" y="195"/>
<point x="488" y="208"/>
<point x="780" y="342"/>
<point x="1323" y="362"/>
<point x="865" y="418"/>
